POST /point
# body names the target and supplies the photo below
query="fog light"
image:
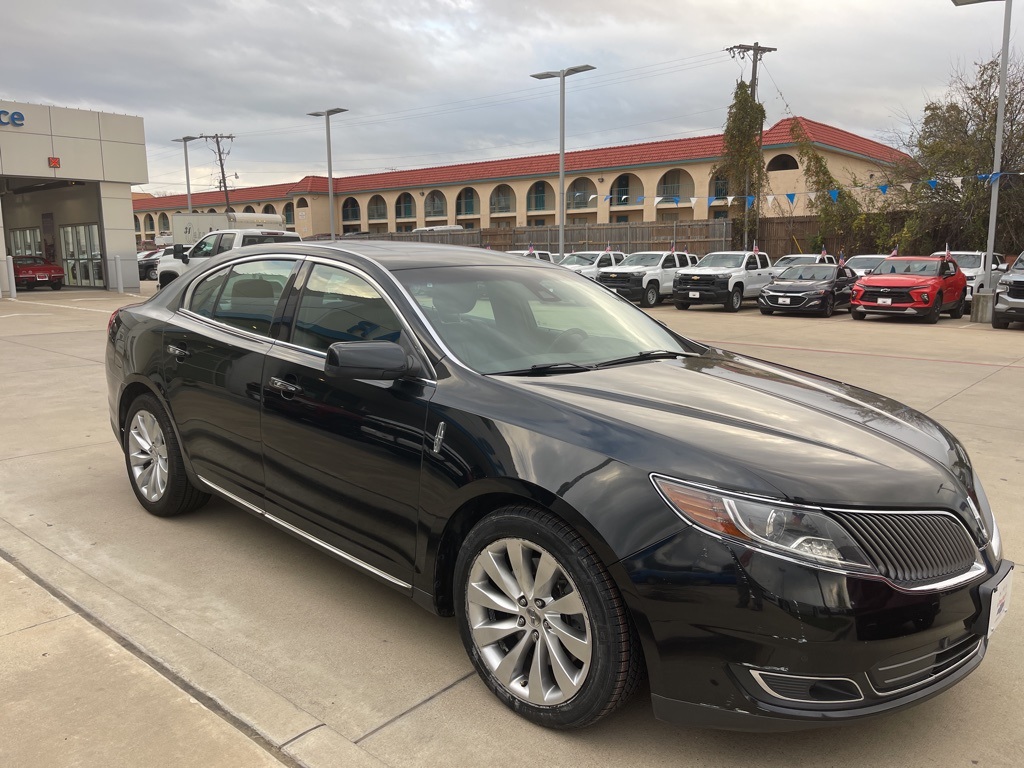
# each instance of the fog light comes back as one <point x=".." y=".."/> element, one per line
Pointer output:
<point x="924" y="297"/>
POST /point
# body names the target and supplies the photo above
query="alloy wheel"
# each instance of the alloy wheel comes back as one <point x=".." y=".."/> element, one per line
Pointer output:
<point x="528" y="622"/>
<point x="147" y="455"/>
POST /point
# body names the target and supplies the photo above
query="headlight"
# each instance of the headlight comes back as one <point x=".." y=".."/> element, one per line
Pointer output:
<point x="797" y="531"/>
<point x="971" y="278"/>
<point x="815" y="293"/>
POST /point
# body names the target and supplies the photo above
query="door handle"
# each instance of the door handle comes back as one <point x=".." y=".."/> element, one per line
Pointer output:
<point x="286" y="388"/>
<point x="178" y="352"/>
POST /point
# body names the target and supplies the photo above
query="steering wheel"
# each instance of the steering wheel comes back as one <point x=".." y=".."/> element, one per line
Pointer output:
<point x="568" y="333"/>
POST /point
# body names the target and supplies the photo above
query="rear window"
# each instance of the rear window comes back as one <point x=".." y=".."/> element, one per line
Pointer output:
<point x="263" y="239"/>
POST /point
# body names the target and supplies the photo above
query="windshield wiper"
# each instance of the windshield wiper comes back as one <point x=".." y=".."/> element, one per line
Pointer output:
<point x="650" y="354"/>
<point x="546" y="368"/>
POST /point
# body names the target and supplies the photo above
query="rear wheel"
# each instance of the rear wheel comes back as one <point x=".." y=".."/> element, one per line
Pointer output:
<point x="651" y="295"/>
<point x="30" y="286"/>
<point x="681" y="305"/>
<point x="152" y="275"/>
<point x="857" y="315"/>
<point x="56" y="285"/>
<point x="156" y="468"/>
<point x="958" y="309"/>
<point x="766" y="311"/>
<point x="735" y="300"/>
<point x="542" y="620"/>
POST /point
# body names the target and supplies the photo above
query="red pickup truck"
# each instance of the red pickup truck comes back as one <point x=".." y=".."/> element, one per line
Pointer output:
<point x="911" y="286"/>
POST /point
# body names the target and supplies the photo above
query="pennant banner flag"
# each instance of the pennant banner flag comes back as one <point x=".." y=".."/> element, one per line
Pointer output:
<point x="750" y="200"/>
<point x="959" y="181"/>
<point x="592" y="197"/>
<point x="791" y="196"/>
<point x="641" y="198"/>
<point x="907" y="185"/>
<point x="834" y="194"/>
<point x="711" y="201"/>
<point x="811" y="196"/>
<point x="883" y="188"/>
<point x="933" y="183"/>
<point x="729" y="199"/>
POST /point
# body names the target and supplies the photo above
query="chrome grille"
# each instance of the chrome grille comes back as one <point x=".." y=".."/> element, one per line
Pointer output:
<point x="618" y="280"/>
<point x="922" y="665"/>
<point x="1016" y="291"/>
<point x="912" y="549"/>
<point x="795" y="300"/>
<point x="898" y="295"/>
<point x="694" y="281"/>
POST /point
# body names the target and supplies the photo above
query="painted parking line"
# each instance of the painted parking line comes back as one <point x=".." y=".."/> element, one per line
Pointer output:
<point x="63" y="306"/>
<point x="27" y="314"/>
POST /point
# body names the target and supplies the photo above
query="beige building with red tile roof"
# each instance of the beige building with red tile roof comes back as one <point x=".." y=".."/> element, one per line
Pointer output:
<point x="664" y="181"/>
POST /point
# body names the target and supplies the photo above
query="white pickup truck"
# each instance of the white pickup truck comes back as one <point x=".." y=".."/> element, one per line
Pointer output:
<point x="588" y="263"/>
<point x="796" y="259"/>
<point x="722" y="277"/>
<point x="645" y="276"/>
<point x="174" y="264"/>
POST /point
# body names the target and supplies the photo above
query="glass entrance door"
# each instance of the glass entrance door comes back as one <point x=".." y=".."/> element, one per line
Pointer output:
<point x="83" y="261"/>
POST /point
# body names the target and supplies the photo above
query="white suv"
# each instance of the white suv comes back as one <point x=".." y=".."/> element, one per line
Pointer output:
<point x="174" y="264"/>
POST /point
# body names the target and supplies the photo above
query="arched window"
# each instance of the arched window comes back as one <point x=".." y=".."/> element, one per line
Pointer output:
<point x="248" y="209"/>
<point x="541" y="197"/>
<point x="350" y="210"/>
<point x="719" y="187"/>
<point x="467" y="203"/>
<point x="303" y="203"/>
<point x="405" y="207"/>
<point x="435" y="206"/>
<point x="503" y="199"/>
<point x="377" y="209"/>
<point x="138" y="224"/>
<point x="229" y="209"/>
<point x="289" y="214"/>
<point x="582" y="193"/>
<point x="626" y="190"/>
<point x="149" y="223"/>
<point x="783" y="163"/>
<point x="268" y="208"/>
<point x="212" y="210"/>
<point x="675" y="186"/>
<point x="165" y="223"/>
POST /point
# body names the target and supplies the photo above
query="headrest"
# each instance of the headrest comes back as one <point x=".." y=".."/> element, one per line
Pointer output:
<point x="252" y="288"/>
<point x="450" y="301"/>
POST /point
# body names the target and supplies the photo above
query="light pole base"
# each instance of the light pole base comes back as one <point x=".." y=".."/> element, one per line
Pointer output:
<point x="981" y="308"/>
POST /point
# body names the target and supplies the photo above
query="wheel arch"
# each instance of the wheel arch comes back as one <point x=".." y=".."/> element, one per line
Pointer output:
<point x="132" y="391"/>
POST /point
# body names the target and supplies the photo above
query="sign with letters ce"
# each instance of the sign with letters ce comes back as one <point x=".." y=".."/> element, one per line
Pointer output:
<point x="15" y="119"/>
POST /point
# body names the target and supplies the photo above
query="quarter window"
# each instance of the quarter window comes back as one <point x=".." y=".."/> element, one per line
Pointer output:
<point x="203" y="248"/>
<point x="337" y="305"/>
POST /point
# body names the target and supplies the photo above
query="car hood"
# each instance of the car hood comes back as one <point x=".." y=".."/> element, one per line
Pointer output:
<point x="626" y="270"/>
<point x="799" y="286"/>
<point x="747" y="425"/>
<point x="897" y="281"/>
<point x="706" y="270"/>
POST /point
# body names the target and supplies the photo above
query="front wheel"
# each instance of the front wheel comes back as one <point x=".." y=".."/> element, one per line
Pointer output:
<point x="932" y="317"/>
<point x="542" y="621"/>
<point x="651" y="295"/>
<point x="857" y="315"/>
<point x="152" y="275"/>
<point x="735" y="300"/>
<point x="830" y="306"/>
<point x="958" y="309"/>
<point x="681" y="305"/>
<point x="1001" y="324"/>
<point x="765" y="311"/>
<point x="156" y="468"/>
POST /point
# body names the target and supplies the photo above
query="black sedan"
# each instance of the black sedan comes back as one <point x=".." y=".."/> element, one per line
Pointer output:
<point x="591" y="495"/>
<point x="816" y="288"/>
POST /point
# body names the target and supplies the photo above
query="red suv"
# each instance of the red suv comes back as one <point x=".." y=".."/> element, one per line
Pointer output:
<point x="915" y="286"/>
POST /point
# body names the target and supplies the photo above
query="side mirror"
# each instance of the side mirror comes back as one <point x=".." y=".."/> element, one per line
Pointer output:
<point x="869" y="271"/>
<point x="377" y="360"/>
<point x="1002" y="267"/>
<point x="179" y="252"/>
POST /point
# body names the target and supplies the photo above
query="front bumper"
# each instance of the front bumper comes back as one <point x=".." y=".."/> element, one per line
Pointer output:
<point x="1006" y="307"/>
<point x="740" y="640"/>
<point x="791" y="302"/>
<point x="631" y="290"/>
<point x="700" y="294"/>
<point x="916" y="309"/>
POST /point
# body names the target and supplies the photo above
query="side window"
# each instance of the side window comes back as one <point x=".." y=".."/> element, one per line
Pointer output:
<point x="604" y="261"/>
<point x="227" y="242"/>
<point x="763" y="257"/>
<point x="250" y="295"/>
<point x="668" y="262"/>
<point x="337" y="305"/>
<point x="204" y="247"/>
<point x="204" y="297"/>
<point x="751" y="263"/>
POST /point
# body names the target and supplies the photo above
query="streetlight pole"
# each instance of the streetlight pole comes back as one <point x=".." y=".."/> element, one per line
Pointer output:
<point x="326" y="115"/>
<point x="984" y="312"/>
<point x="561" y="74"/>
<point x="188" y="182"/>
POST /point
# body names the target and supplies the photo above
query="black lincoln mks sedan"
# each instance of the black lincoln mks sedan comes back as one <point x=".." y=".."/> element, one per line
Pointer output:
<point x="592" y="496"/>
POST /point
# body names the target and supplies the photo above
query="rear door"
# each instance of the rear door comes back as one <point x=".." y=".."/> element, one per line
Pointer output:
<point x="212" y="365"/>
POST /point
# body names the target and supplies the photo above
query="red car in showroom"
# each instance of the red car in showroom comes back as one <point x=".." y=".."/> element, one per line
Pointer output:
<point x="911" y="286"/>
<point x="30" y="271"/>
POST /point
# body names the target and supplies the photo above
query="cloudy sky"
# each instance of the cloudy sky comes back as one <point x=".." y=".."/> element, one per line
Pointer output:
<point x="436" y="82"/>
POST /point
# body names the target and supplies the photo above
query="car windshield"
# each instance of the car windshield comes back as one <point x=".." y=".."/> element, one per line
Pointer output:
<point x="929" y="267"/>
<point x="722" y="260"/>
<point x="787" y="261"/>
<point x="498" y="319"/>
<point x="809" y="272"/>
<point x="641" y="260"/>
<point x="29" y="261"/>
<point x="864" y="262"/>
<point x="578" y="260"/>
<point x="1018" y="265"/>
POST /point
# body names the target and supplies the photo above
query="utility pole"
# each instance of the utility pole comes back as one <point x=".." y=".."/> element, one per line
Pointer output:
<point x="756" y="51"/>
<point x="217" y="138"/>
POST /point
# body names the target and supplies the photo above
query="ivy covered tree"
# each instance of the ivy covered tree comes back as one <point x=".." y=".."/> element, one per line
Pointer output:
<point x="742" y="165"/>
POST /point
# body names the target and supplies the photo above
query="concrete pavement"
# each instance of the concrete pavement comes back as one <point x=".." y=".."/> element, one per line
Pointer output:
<point x="214" y="639"/>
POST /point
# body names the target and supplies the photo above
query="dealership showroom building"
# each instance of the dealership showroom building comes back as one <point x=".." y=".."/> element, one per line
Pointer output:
<point x="66" y="179"/>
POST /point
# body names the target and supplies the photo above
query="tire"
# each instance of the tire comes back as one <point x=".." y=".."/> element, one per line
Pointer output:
<point x="651" y="295"/>
<point x="735" y="300"/>
<point x="517" y="648"/>
<point x="830" y="306"/>
<point x="56" y="285"/>
<point x="932" y="317"/>
<point x="153" y="459"/>
<point x="857" y="315"/>
<point x="958" y="309"/>
<point x="766" y="311"/>
<point x="1000" y="324"/>
<point x="152" y="275"/>
<point x="681" y="305"/>
<point x="29" y="286"/>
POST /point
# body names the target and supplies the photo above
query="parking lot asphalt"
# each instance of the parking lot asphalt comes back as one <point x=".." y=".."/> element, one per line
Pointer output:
<point x="214" y="639"/>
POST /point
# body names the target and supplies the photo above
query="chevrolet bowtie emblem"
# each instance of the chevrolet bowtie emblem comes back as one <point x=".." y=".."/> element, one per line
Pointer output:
<point x="695" y="277"/>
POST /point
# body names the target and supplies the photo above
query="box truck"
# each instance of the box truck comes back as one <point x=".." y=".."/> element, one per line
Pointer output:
<point x="188" y="228"/>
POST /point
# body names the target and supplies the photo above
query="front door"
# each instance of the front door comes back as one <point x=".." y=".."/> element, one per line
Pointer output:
<point x="344" y="454"/>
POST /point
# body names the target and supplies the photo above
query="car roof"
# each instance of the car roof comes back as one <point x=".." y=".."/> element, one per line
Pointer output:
<point x="397" y="255"/>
